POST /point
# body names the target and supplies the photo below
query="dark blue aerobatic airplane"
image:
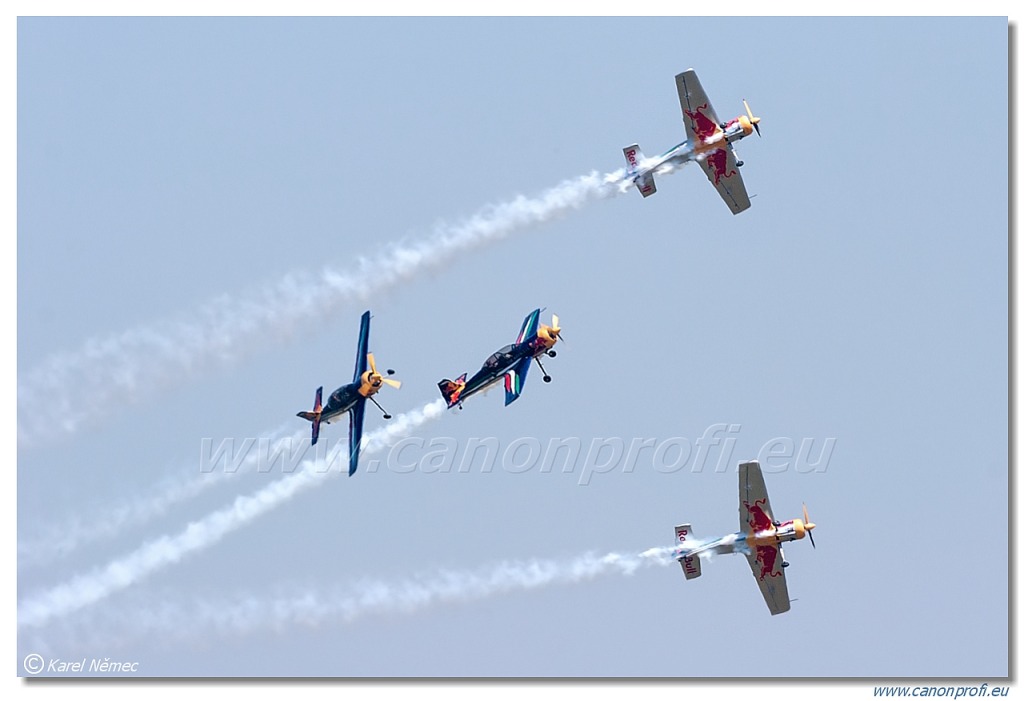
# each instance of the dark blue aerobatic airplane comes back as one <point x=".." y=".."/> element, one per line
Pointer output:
<point x="351" y="398"/>
<point x="512" y="361"/>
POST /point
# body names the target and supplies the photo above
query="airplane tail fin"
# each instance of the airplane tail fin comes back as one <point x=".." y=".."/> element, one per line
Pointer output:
<point x="689" y="563"/>
<point x="451" y="390"/>
<point x="314" y="416"/>
<point x="644" y="181"/>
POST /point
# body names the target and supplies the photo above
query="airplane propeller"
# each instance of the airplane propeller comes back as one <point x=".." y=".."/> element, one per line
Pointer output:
<point x="808" y="527"/>
<point x="373" y="371"/>
<point x="555" y="329"/>
<point x="753" y="120"/>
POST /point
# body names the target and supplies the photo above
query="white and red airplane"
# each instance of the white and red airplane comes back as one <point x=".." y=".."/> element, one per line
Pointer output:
<point x="708" y="141"/>
<point x="760" y="539"/>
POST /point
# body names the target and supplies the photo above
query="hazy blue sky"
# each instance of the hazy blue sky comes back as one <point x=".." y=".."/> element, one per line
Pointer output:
<point x="164" y="164"/>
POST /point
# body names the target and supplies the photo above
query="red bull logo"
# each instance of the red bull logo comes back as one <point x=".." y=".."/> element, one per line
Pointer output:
<point x="766" y="556"/>
<point x="758" y="520"/>
<point x="688" y="566"/>
<point x="451" y="391"/>
<point x="631" y="158"/>
<point x="718" y="162"/>
<point x="703" y="126"/>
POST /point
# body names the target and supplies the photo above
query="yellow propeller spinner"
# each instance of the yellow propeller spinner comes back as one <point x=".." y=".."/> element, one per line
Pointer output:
<point x="753" y="120"/>
<point x="808" y="527"/>
<point x="375" y="378"/>
<point x="553" y="332"/>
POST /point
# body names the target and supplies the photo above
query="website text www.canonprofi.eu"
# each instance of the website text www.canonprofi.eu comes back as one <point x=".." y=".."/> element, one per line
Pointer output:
<point x="718" y="448"/>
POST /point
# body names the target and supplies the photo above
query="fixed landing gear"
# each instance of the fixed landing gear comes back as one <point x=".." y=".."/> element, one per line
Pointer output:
<point x="785" y="564"/>
<point x="739" y="164"/>
<point x="386" y="414"/>
<point x="547" y="377"/>
<point x="552" y="354"/>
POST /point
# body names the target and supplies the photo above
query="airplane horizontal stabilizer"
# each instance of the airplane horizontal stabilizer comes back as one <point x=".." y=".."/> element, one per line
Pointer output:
<point x="645" y="184"/>
<point x="634" y="159"/>
<point x="689" y="563"/>
<point x="316" y="430"/>
<point x="315" y="415"/>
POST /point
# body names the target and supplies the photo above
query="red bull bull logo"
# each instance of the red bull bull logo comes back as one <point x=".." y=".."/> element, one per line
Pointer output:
<point x="451" y="391"/>
<point x="766" y="556"/>
<point x="758" y="520"/>
<point x="703" y="126"/>
<point x="718" y="164"/>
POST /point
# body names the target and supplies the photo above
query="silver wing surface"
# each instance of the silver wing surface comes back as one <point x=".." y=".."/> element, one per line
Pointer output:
<point x="698" y="115"/>
<point x="755" y="509"/>
<point x="766" y="564"/>
<point x="720" y="167"/>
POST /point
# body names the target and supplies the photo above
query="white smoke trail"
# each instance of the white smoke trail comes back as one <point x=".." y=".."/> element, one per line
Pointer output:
<point x="84" y="590"/>
<point x="62" y="539"/>
<point x="411" y="595"/>
<point x="247" y="613"/>
<point x="68" y="389"/>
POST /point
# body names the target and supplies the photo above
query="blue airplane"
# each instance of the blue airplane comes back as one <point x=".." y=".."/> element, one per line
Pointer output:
<point x="351" y="398"/>
<point x="511" y="362"/>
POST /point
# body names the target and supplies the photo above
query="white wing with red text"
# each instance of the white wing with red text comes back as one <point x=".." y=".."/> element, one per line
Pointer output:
<point x="689" y="562"/>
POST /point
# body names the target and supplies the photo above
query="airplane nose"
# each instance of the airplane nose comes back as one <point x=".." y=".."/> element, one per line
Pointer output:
<point x="808" y="526"/>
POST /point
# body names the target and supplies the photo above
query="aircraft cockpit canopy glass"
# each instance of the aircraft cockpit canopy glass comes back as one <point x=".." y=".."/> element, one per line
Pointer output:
<point x="499" y="357"/>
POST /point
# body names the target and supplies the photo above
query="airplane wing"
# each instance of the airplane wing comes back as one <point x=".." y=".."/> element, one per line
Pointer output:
<point x="355" y="434"/>
<point x="698" y="115"/>
<point x="720" y="167"/>
<point x="702" y="124"/>
<point x="515" y="378"/>
<point x="755" y="509"/>
<point x="530" y="325"/>
<point x="364" y="345"/>
<point x="766" y="564"/>
<point x="765" y="560"/>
